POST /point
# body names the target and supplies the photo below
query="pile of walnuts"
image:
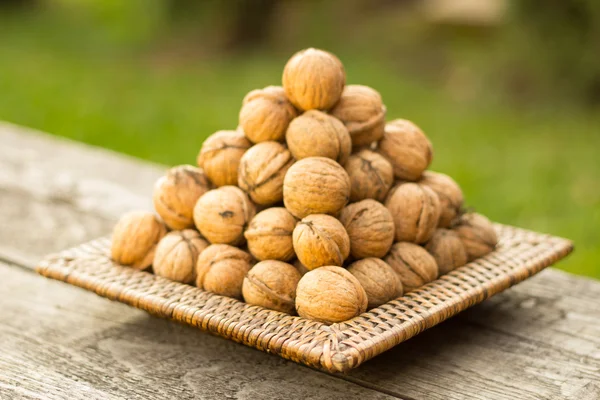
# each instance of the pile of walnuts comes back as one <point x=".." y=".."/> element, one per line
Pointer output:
<point x="314" y="205"/>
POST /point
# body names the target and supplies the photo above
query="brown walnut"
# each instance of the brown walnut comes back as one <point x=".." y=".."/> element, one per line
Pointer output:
<point x="314" y="79"/>
<point x="176" y="255"/>
<point x="371" y="175"/>
<point x="378" y="279"/>
<point x="477" y="235"/>
<point x="222" y="214"/>
<point x="447" y="249"/>
<point x="370" y="227"/>
<point x="320" y="240"/>
<point x="449" y="193"/>
<point x="221" y="154"/>
<point x="413" y="264"/>
<point x="135" y="238"/>
<point x="262" y="170"/>
<point x="315" y="185"/>
<point x="176" y="193"/>
<point x="221" y="269"/>
<point x="266" y="114"/>
<point x="330" y="294"/>
<point x="269" y="234"/>
<point x="272" y="284"/>
<point x="316" y="134"/>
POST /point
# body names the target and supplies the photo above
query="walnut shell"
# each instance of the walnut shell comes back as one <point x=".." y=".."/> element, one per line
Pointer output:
<point x="269" y="234"/>
<point x="315" y="185"/>
<point x="477" y="235"/>
<point x="449" y="193"/>
<point x="316" y="134"/>
<point x="416" y="211"/>
<point x="176" y="194"/>
<point x="176" y="255"/>
<point x="320" y="240"/>
<point x="135" y="238"/>
<point x="330" y="294"/>
<point x="222" y="214"/>
<point x="314" y="79"/>
<point x="266" y="114"/>
<point x="362" y="111"/>
<point x="370" y="227"/>
<point x="262" y="170"/>
<point x="447" y="249"/>
<point x="378" y="279"/>
<point x="221" y="269"/>
<point x="272" y="284"/>
<point x="371" y="175"/>
<point x="407" y="148"/>
<point x="413" y="264"/>
<point x="221" y="154"/>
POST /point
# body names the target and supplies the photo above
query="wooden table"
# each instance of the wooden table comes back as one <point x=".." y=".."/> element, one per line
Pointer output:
<point x="538" y="340"/>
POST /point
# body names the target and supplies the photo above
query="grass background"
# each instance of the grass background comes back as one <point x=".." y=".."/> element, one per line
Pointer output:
<point x="532" y="166"/>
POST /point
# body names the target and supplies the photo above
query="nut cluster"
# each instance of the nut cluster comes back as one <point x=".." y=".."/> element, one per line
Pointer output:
<point x="314" y="205"/>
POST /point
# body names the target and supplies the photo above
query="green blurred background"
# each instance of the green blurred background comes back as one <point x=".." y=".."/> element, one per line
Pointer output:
<point x="508" y="92"/>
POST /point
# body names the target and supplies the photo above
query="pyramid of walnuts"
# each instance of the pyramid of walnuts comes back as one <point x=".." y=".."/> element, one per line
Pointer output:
<point x="314" y="205"/>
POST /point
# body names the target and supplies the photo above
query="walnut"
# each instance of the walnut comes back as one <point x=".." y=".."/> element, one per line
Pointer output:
<point x="370" y="227"/>
<point x="266" y="114"/>
<point x="269" y="234"/>
<point x="416" y="211"/>
<point x="371" y="175"/>
<point x="272" y="284"/>
<point x="361" y="109"/>
<point x="135" y="238"/>
<point x="320" y="240"/>
<point x="222" y="214"/>
<point x="449" y="193"/>
<point x="330" y="294"/>
<point x="447" y="249"/>
<point x="378" y="279"/>
<point x="262" y="170"/>
<point x="316" y="134"/>
<point x="413" y="264"/>
<point x="315" y="185"/>
<point x="314" y="79"/>
<point x="176" y="193"/>
<point x="176" y="255"/>
<point x="477" y="235"/>
<point x="407" y="148"/>
<point x="221" y="269"/>
<point x="220" y="156"/>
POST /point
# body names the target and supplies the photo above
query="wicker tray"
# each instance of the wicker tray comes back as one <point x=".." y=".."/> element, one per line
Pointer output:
<point x="334" y="348"/>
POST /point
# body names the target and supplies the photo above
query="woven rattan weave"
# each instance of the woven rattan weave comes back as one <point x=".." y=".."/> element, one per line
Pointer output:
<point x="335" y="348"/>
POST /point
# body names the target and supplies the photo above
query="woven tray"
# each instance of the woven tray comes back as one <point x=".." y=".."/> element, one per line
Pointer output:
<point x="334" y="348"/>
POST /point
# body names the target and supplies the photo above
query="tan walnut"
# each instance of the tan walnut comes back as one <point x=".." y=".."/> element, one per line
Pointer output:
<point x="371" y="175"/>
<point x="266" y="114"/>
<point x="135" y="238"/>
<point x="407" y="148"/>
<point x="315" y="185"/>
<point x="413" y="264"/>
<point x="314" y="79"/>
<point x="321" y="240"/>
<point x="221" y="154"/>
<point x="477" y="235"/>
<point x="449" y="193"/>
<point x="175" y="195"/>
<point x="379" y="280"/>
<point x="262" y="170"/>
<point x="330" y="294"/>
<point x="272" y="284"/>
<point x="176" y="255"/>
<point x="316" y="134"/>
<point x="370" y="227"/>
<point x="269" y="235"/>
<point x="416" y="211"/>
<point x="362" y="111"/>
<point x="222" y="214"/>
<point x="221" y="269"/>
<point x="447" y="249"/>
